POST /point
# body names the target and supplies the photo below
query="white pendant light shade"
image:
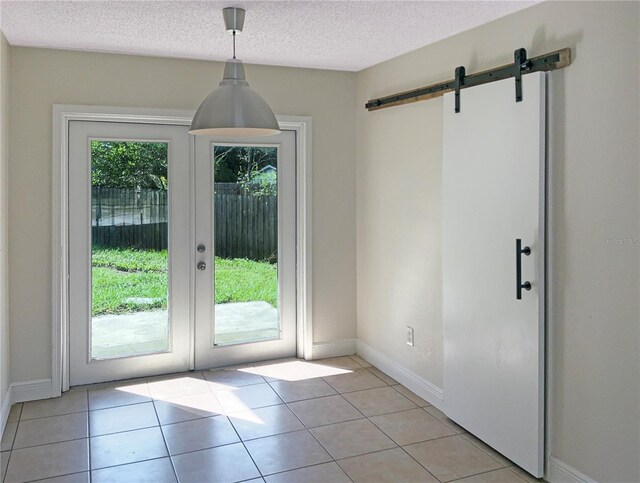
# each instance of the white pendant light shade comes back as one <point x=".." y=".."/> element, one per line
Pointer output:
<point x="234" y="109"/>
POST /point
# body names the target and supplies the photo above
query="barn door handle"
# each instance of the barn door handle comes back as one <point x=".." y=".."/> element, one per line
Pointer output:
<point x="519" y="284"/>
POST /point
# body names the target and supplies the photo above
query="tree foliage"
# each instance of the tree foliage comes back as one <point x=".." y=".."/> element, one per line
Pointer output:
<point x="244" y="165"/>
<point x="128" y="164"/>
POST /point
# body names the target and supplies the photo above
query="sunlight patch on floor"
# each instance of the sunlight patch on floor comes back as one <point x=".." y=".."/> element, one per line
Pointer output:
<point x="295" y="370"/>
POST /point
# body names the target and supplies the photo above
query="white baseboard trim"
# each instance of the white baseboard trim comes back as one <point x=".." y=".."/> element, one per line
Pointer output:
<point x="30" y="390"/>
<point x="423" y="388"/>
<point x="561" y="472"/>
<point x="334" y="348"/>
<point x="4" y="410"/>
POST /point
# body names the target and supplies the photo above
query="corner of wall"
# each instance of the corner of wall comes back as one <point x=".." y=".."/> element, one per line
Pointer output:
<point x="5" y="396"/>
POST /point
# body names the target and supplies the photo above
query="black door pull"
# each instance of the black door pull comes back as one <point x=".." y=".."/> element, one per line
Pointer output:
<point x="519" y="284"/>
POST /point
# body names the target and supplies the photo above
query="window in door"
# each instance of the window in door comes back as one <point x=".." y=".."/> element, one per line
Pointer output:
<point x="129" y="248"/>
<point x="245" y="243"/>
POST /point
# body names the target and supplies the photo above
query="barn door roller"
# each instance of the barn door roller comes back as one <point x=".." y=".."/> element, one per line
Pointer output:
<point x="520" y="66"/>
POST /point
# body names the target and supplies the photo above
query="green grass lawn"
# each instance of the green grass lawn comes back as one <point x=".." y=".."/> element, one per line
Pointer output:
<point x="126" y="280"/>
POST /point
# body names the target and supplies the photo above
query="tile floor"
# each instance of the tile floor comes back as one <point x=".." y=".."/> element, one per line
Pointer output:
<point x="333" y="420"/>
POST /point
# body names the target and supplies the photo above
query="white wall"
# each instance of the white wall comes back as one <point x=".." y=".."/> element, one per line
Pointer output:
<point x="41" y="78"/>
<point x="4" y="219"/>
<point x="595" y="311"/>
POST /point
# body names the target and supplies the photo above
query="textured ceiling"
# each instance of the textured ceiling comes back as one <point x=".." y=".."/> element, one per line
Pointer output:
<point x="344" y="35"/>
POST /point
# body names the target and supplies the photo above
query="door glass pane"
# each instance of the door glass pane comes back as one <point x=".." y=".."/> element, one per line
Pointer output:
<point x="246" y="244"/>
<point x="129" y="241"/>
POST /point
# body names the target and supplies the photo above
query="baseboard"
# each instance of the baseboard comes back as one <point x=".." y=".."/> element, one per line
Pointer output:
<point x="4" y="410"/>
<point x="30" y="390"/>
<point x="561" y="472"/>
<point x="21" y="392"/>
<point x="334" y="348"/>
<point x="423" y="388"/>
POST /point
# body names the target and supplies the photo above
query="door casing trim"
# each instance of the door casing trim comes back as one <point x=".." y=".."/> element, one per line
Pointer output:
<point x="63" y="114"/>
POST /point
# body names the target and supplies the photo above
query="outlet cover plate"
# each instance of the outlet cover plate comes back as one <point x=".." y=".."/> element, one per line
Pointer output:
<point x="410" y="336"/>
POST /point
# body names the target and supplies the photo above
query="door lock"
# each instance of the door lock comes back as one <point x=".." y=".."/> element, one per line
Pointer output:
<point x="201" y="266"/>
<point x="201" y="248"/>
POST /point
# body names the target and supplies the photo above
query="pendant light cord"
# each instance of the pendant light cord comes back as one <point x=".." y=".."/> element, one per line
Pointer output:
<point x="234" y="44"/>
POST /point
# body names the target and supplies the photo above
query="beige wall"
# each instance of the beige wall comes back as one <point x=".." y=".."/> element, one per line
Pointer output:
<point x="595" y="312"/>
<point x="41" y="78"/>
<point x="4" y="218"/>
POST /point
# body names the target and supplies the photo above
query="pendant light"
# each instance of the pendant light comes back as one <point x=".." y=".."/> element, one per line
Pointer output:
<point x="234" y="109"/>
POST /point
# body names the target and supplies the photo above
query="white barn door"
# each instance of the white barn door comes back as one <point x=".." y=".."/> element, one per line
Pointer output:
<point x="494" y="195"/>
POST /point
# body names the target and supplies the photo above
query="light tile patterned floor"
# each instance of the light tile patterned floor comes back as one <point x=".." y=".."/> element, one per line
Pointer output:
<point x="330" y="421"/>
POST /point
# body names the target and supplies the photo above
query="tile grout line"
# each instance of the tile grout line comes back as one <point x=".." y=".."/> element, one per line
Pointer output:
<point x="13" y="442"/>
<point x="311" y="466"/>
<point x="53" y="415"/>
<point x="117" y="406"/>
<point x="433" y="439"/>
<point x="123" y="464"/>
<point x="319" y="442"/>
<point x="55" y="442"/>
<point x="303" y="399"/>
<point x="59" y="476"/>
<point x="124" y="430"/>
<point x="305" y="428"/>
<point x="452" y="436"/>
<point x="382" y="431"/>
<point x="402" y="448"/>
<point x="164" y="440"/>
<point x="488" y="471"/>
<point x="423" y="466"/>
<point x="245" y="448"/>
<point x="417" y="404"/>
<point x="356" y="390"/>
<point x="486" y="452"/>
<point x="309" y="428"/>
<point x="390" y="412"/>
<point x="236" y="431"/>
<point x="316" y="439"/>
<point x="388" y="449"/>
<point x="89" y="439"/>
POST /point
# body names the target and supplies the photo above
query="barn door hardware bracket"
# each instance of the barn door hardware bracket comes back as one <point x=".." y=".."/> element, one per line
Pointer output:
<point x="520" y="66"/>
<point x="459" y="81"/>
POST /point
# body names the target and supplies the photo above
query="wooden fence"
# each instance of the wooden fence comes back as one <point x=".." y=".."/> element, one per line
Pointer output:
<point x="246" y="225"/>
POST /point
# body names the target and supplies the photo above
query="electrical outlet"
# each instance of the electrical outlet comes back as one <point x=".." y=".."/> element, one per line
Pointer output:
<point x="410" y="336"/>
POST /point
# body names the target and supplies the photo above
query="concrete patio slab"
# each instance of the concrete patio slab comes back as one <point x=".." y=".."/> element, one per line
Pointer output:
<point x="144" y="332"/>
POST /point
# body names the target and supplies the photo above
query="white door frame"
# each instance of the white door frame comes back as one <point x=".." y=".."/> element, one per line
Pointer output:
<point x="62" y="116"/>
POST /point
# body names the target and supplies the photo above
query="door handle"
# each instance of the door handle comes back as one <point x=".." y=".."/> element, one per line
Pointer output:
<point x="519" y="284"/>
<point x="201" y="265"/>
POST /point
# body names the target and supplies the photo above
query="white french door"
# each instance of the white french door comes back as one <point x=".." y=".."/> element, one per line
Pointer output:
<point x="245" y="237"/>
<point x="493" y="266"/>
<point x="171" y="269"/>
<point x="129" y="250"/>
